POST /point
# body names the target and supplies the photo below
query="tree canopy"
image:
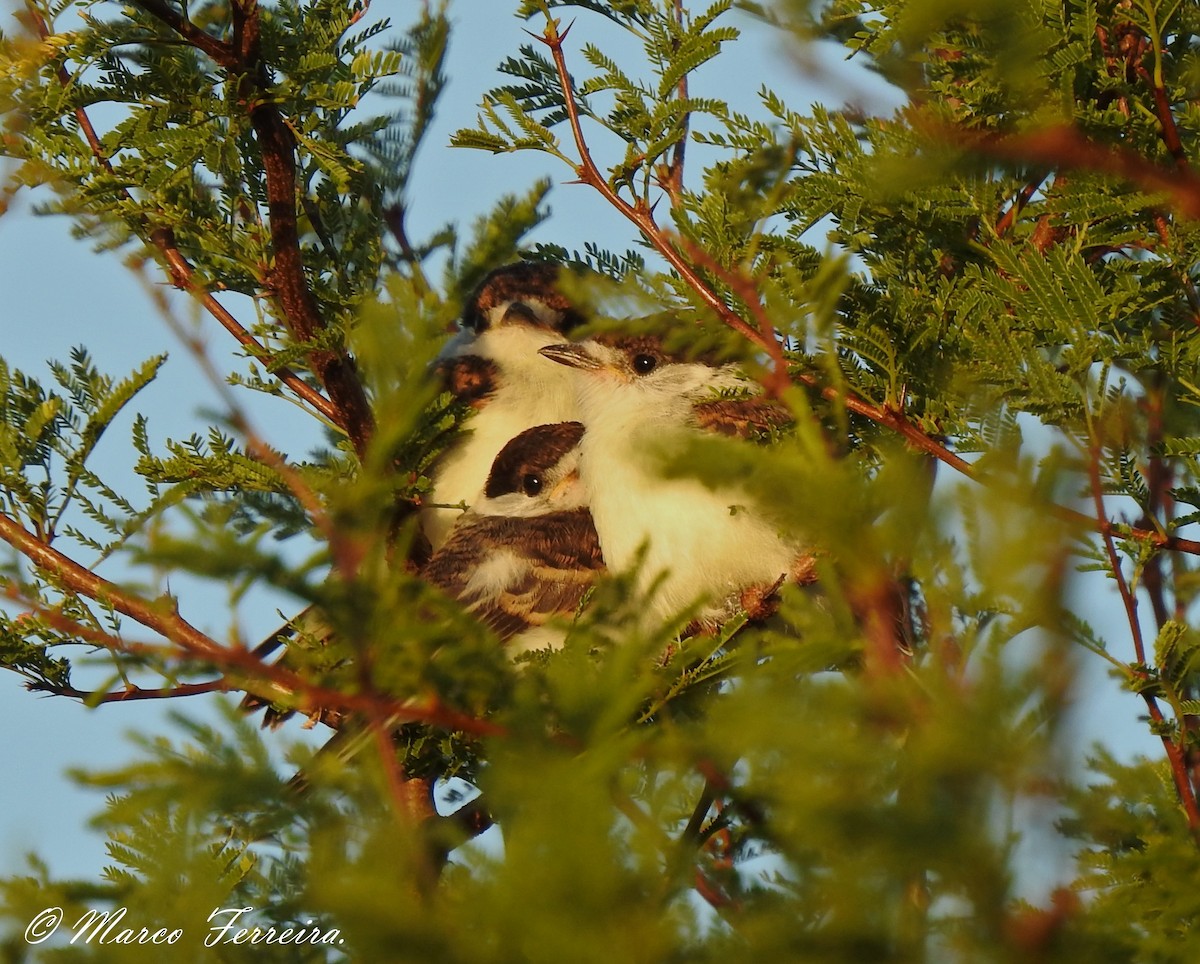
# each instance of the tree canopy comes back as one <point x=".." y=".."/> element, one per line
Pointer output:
<point x="981" y="312"/>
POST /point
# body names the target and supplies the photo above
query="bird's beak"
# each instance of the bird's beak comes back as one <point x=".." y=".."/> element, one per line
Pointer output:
<point x="574" y="355"/>
<point x="519" y="313"/>
<point x="563" y="486"/>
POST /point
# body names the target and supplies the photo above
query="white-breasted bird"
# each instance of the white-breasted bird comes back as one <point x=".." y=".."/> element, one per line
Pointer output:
<point x="527" y="551"/>
<point x="701" y="544"/>
<point x="493" y="363"/>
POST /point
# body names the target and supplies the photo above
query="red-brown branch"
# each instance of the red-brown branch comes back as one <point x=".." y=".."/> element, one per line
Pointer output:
<point x="1175" y="751"/>
<point x="183" y="277"/>
<point x="1023" y="197"/>
<point x="1166" y="120"/>
<point x="1037" y="147"/>
<point x="287" y="279"/>
<point x="165" y="620"/>
<point x="160" y="617"/>
<point x="217" y="50"/>
<point x="132" y="693"/>
<point x="347" y="406"/>
<point x="743" y="286"/>
<point x="673" y="182"/>
<point x="1064" y="147"/>
<point x="639" y="214"/>
<point x="177" y="266"/>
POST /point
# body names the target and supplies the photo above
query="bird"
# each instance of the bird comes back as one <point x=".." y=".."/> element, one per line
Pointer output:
<point x="694" y="544"/>
<point x="527" y="551"/>
<point x="492" y="364"/>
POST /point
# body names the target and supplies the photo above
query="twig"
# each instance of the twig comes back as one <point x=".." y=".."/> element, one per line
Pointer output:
<point x="219" y="51"/>
<point x="1066" y="147"/>
<point x="1175" y="751"/>
<point x="888" y="416"/>
<point x="742" y="285"/>
<point x="1127" y="597"/>
<point x="1009" y="218"/>
<point x="176" y="265"/>
<point x="1170" y="133"/>
<point x="132" y="693"/>
<point x="170" y="625"/>
<point x="673" y="182"/>
<point x="1162" y="106"/>
<point x="163" y="619"/>
<point x="639" y="212"/>
<point x="1158" y="488"/>
<point x="183" y="277"/>
<point x="346" y="555"/>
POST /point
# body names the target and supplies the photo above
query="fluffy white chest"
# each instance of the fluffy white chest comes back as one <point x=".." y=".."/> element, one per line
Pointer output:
<point x="530" y="391"/>
<point x="699" y="543"/>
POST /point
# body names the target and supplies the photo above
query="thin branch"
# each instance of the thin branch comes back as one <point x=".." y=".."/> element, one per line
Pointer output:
<point x="183" y="277"/>
<point x="287" y="279"/>
<point x="218" y="50"/>
<point x="1162" y="105"/>
<point x="346" y="555"/>
<point x="673" y="182"/>
<point x="1114" y="562"/>
<point x="1023" y="197"/>
<point x="176" y="265"/>
<point x="1044" y="145"/>
<point x="163" y="618"/>
<point x="1175" y="751"/>
<point x="167" y="622"/>
<point x="1066" y="147"/>
<point x="132" y="693"/>
<point x="638" y="213"/>
<point x="1159" y="502"/>
<point x="1166" y="118"/>
<point x="742" y="285"/>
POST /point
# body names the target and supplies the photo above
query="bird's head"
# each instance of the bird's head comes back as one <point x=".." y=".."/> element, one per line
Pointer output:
<point x="536" y="472"/>
<point x="525" y="293"/>
<point x="640" y="367"/>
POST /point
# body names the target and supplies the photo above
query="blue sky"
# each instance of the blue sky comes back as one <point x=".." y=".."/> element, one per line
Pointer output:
<point x="57" y="293"/>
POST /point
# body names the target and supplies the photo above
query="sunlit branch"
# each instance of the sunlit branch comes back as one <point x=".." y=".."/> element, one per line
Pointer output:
<point x="1174" y="750"/>
<point x="192" y="643"/>
<point x="1050" y="148"/>
<point x="177" y="266"/>
<point x="1064" y="147"/>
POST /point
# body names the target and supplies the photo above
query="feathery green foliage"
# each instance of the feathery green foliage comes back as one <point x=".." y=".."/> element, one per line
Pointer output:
<point x="988" y="338"/>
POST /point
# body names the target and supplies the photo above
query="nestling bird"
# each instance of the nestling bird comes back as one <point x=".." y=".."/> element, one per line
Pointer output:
<point x="701" y="544"/>
<point x="494" y="365"/>
<point x="527" y="551"/>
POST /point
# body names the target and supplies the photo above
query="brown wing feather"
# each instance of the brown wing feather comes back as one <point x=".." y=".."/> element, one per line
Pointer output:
<point x="742" y="417"/>
<point x="469" y="377"/>
<point x="559" y="559"/>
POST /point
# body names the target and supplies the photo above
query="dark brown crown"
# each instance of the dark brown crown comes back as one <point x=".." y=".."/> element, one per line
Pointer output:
<point x="518" y="283"/>
<point x="534" y="452"/>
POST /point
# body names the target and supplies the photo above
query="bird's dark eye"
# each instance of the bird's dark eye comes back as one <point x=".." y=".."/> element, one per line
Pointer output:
<point x="531" y="484"/>
<point x="644" y="364"/>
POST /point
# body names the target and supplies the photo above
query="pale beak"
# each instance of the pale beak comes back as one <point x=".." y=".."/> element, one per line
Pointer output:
<point x="563" y="486"/>
<point x="574" y="355"/>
